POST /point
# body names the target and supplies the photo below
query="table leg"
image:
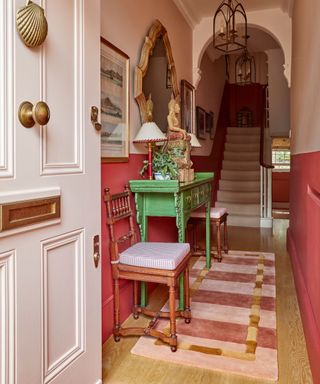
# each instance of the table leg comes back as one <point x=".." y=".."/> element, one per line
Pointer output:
<point x="144" y="237"/>
<point x="181" y="225"/>
<point x="208" y="230"/>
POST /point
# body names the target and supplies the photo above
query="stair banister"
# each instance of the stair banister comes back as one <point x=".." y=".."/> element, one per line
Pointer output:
<point x="265" y="166"/>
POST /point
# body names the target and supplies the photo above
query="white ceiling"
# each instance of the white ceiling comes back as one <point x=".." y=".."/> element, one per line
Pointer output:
<point x="195" y="10"/>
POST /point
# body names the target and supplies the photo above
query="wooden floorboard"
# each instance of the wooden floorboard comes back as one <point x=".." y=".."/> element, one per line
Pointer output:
<point x="121" y="367"/>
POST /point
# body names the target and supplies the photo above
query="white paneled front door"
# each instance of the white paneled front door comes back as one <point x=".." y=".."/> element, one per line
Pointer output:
<point x="50" y="308"/>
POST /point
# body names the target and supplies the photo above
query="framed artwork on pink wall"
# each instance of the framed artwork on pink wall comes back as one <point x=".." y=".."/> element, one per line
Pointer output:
<point x="201" y="123"/>
<point x="114" y="75"/>
<point x="187" y="106"/>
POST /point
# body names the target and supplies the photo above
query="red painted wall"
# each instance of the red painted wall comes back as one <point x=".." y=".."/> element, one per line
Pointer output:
<point x="280" y="187"/>
<point x="304" y="247"/>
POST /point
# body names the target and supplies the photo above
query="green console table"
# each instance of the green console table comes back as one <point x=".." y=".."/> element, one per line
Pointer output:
<point x="174" y="199"/>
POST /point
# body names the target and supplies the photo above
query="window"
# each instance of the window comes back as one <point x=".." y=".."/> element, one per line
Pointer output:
<point x="281" y="159"/>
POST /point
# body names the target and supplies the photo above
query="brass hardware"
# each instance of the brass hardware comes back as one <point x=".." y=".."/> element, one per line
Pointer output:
<point x="28" y="212"/>
<point x="94" y="118"/>
<point x="30" y="114"/>
<point x="32" y="24"/>
<point x="96" y="250"/>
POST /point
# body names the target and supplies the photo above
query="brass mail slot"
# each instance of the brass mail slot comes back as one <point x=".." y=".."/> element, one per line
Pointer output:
<point x="28" y="212"/>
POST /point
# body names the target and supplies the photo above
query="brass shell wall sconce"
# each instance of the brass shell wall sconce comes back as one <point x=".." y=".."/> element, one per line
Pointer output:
<point x="32" y="24"/>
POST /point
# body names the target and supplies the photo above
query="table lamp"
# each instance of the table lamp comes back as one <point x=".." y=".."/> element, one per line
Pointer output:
<point x="150" y="134"/>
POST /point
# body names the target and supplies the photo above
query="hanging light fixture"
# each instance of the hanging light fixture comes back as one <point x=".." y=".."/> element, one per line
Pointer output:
<point x="230" y="27"/>
<point x="245" y="69"/>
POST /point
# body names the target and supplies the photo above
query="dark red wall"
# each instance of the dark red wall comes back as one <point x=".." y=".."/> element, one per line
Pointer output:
<point x="304" y="247"/>
<point x="280" y="187"/>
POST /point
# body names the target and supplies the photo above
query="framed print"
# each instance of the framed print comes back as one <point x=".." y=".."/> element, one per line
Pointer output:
<point x="212" y="131"/>
<point x="208" y="121"/>
<point x="114" y="74"/>
<point x="187" y="106"/>
<point x="168" y="78"/>
<point x="210" y="124"/>
<point x="201" y="123"/>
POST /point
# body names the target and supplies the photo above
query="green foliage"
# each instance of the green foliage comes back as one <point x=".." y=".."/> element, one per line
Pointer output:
<point x="163" y="162"/>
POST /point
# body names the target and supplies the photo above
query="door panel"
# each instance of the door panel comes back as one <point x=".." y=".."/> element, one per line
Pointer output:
<point x="6" y="87"/>
<point x="63" y="298"/>
<point x="7" y="304"/>
<point x="63" y="80"/>
<point x="50" y="306"/>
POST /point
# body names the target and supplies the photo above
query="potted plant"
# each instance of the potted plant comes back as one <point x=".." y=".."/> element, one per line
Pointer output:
<point x="163" y="165"/>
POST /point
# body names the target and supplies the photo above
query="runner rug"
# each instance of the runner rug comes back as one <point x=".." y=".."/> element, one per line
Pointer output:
<point x="233" y="327"/>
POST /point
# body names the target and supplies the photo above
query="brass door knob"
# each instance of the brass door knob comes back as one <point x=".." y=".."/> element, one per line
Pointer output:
<point x="30" y="114"/>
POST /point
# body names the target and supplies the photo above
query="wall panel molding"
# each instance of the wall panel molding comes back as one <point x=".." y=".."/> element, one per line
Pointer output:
<point x="6" y="89"/>
<point x="56" y="165"/>
<point x="64" y="252"/>
<point x="7" y="317"/>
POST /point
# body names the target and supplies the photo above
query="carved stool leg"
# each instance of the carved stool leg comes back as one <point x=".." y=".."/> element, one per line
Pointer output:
<point x="187" y="312"/>
<point x="172" y="305"/>
<point x="195" y="238"/>
<point x="218" y="240"/>
<point x="226" y="247"/>
<point x="116" y="325"/>
<point x="135" y="300"/>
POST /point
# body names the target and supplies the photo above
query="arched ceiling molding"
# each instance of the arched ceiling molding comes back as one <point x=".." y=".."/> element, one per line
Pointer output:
<point x="273" y="21"/>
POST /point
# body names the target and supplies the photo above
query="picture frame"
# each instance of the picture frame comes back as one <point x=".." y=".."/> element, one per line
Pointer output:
<point x="115" y="88"/>
<point x="212" y="130"/>
<point x="168" y="78"/>
<point x="210" y="124"/>
<point x="201" y="122"/>
<point x="187" y="106"/>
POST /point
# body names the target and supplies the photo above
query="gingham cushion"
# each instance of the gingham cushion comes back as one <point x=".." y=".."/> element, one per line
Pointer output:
<point x="215" y="213"/>
<point x="155" y="255"/>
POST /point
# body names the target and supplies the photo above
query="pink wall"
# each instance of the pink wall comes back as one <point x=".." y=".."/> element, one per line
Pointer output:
<point x="209" y="94"/>
<point x="280" y="187"/>
<point x="303" y="233"/>
<point x="125" y="23"/>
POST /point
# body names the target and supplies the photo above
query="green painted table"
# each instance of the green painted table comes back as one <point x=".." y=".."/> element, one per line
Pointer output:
<point x="174" y="199"/>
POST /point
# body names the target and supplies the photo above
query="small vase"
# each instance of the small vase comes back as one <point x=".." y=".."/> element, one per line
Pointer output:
<point x="159" y="176"/>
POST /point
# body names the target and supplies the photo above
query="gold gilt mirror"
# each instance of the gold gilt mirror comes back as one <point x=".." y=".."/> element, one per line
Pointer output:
<point x="156" y="76"/>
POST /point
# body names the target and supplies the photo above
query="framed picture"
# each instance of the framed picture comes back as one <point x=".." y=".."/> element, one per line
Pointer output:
<point x="212" y="125"/>
<point x="114" y="74"/>
<point x="209" y="121"/>
<point x="201" y="123"/>
<point x="187" y="106"/>
<point x="168" y="78"/>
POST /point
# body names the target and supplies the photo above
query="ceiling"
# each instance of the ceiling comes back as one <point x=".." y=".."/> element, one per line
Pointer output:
<point x="195" y="10"/>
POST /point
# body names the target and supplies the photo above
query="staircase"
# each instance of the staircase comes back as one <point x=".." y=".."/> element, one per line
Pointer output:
<point x="239" y="186"/>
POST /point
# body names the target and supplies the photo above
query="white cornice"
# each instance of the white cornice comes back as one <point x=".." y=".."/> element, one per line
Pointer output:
<point x="287" y="6"/>
<point x="186" y="13"/>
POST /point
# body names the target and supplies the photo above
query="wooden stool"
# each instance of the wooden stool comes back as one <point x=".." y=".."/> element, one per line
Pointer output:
<point x="218" y="216"/>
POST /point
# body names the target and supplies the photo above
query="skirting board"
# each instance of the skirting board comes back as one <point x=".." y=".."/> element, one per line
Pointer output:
<point x="266" y="222"/>
<point x="308" y="320"/>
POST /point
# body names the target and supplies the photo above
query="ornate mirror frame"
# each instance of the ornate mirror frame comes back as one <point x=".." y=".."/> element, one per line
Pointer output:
<point x="156" y="31"/>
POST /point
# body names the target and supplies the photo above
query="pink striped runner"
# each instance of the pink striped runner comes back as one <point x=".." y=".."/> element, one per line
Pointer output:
<point x="233" y="327"/>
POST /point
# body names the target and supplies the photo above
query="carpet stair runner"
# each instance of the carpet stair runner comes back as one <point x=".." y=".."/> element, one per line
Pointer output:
<point x="239" y="186"/>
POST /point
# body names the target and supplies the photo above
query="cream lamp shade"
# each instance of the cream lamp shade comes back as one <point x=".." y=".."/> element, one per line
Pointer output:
<point x="149" y="133"/>
<point x="194" y="142"/>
